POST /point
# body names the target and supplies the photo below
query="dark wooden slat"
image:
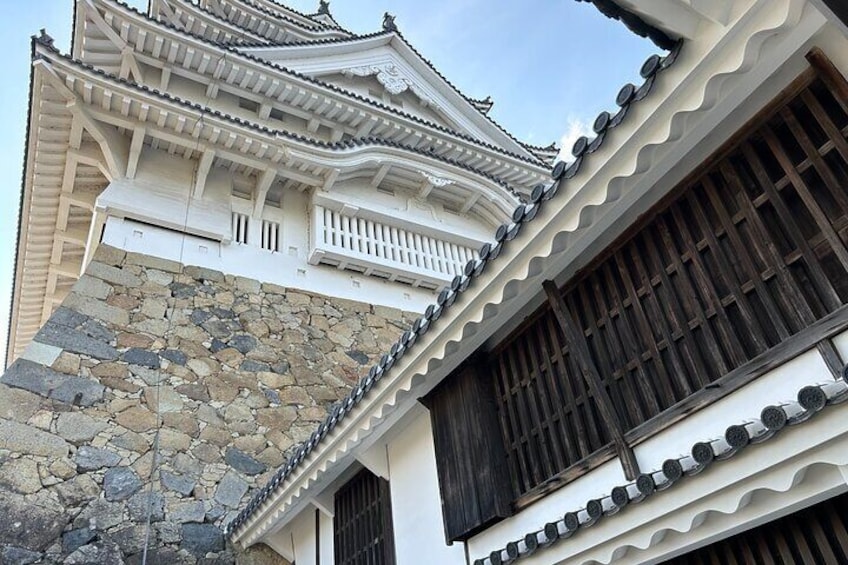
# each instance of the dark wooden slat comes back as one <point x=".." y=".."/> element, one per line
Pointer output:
<point x="826" y="328"/>
<point x="565" y="383"/>
<point x="604" y="338"/>
<point x="663" y="382"/>
<point x="525" y="425"/>
<point x="521" y="474"/>
<point x="539" y="423"/>
<point x="832" y="358"/>
<point x="708" y="288"/>
<point x="700" y="374"/>
<point x="807" y="197"/>
<point x="822" y="544"/>
<point x="826" y="291"/>
<point x="726" y="272"/>
<point x="812" y="153"/>
<point x="362" y="523"/>
<point x="744" y="253"/>
<point x="549" y="408"/>
<point x="820" y="114"/>
<point x="558" y="404"/>
<point x="626" y="337"/>
<point x="797" y="305"/>
<point x="689" y="295"/>
<point x="839" y="528"/>
<point x="580" y="350"/>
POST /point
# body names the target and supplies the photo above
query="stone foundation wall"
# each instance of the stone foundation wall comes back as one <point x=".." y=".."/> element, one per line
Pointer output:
<point x="156" y="398"/>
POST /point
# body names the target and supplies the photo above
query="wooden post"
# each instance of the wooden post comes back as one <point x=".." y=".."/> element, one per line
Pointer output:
<point x="583" y="357"/>
<point x="828" y="71"/>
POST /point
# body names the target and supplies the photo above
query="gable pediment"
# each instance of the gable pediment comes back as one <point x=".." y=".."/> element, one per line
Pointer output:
<point x="386" y="68"/>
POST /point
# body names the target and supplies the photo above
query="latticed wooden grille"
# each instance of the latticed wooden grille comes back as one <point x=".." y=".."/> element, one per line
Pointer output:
<point x="363" y="522"/>
<point x="745" y="255"/>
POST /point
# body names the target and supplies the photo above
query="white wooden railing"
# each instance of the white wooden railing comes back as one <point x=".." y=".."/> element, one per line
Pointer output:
<point x="379" y="249"/>
<point x="270" y="235"/>
<point x="240" y="227"/>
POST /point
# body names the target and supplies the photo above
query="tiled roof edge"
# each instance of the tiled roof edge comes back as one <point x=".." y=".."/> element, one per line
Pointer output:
<point x="366" y="141"/>
<point x="523" y="213"/>
<point x="633" y="22"/>
<point x="320" y="26"/>
<point x="21" y="200"/>
<point x="774" y="418"/>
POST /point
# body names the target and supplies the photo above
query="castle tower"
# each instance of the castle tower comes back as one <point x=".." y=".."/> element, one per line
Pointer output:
<point x="229" y="210"/>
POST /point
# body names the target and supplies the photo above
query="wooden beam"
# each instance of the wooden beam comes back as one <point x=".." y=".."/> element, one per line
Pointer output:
<point x="331" y="179"/>
<point x="129" y="66"/>
<point x="579" y="350"/>
<point x="202" y="173"/>
<point x="114" y="147"/>
<point x="135" y="151"/>
<point x="381" y="174"/>
<point x="426" y="189"/>
<point x="828" y="71"/>
<point x="165" y="79"/>
<point x="263" y="184"/>
<point x="101" y="24"/>
<point x="472" y="200"/>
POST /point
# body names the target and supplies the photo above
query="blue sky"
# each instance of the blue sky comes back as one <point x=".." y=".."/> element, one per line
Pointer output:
<point x="550" y="65"/>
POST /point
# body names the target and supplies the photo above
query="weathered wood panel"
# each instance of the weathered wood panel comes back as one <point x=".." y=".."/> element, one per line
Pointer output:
<point x="470" y="458"/>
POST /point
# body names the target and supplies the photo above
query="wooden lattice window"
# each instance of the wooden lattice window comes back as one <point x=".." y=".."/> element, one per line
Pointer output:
<point x="363" y="522"/>
<point x="745" y="255"/>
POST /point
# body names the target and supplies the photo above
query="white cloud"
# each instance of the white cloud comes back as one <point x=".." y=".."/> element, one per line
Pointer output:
<point x="574" y="129"/>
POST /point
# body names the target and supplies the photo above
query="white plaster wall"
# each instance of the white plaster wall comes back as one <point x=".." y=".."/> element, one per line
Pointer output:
<point x="416" y="503"/>
<point x="327" y="547"/>
<point x="287" y="268"/>
<point x="304" y="539"/>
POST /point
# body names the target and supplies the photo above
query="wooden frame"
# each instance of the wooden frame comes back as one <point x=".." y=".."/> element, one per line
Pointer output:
<point x="362" y="525"/>
<point x="738" y="270"/>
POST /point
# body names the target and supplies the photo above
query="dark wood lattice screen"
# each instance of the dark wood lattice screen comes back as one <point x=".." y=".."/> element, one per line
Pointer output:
<point x="746" y="254"/>
<point x="818" y="534"/>
<point x="363" y="522"/>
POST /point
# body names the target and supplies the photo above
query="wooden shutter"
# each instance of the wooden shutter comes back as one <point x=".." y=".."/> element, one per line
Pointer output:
<point x="363" y="522"/>
<point x="470" y="457"/>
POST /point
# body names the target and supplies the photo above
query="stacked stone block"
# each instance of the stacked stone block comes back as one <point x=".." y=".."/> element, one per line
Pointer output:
<point x="156" y="397"/>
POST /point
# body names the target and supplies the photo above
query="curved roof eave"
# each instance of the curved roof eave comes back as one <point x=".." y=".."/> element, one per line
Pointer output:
<point x="276" y="133"/>
<point x="527" y="158"/>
